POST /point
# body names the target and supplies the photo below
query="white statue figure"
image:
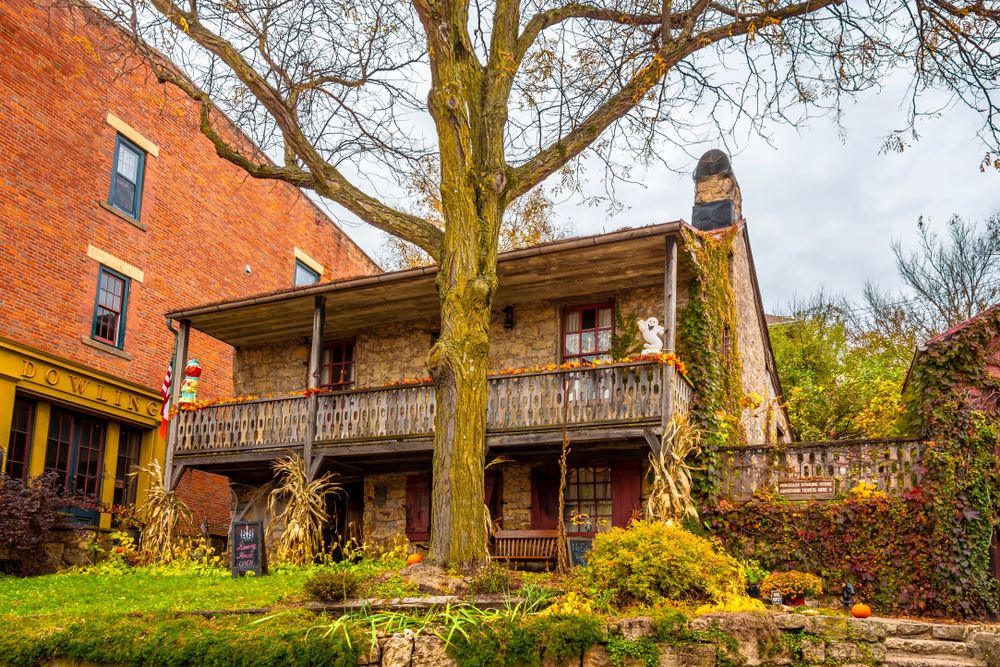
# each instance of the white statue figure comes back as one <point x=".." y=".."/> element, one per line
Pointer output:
<point x="651" y="331"/>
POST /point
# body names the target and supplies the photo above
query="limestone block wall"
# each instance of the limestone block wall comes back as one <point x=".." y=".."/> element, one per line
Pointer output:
<point x="517" y="498"/>
<point x="761" y="425"/>
<point x="747" y="639"/>
<point x="385" y="514"/>
<point x="273" y="369"/>
<point x="399" y="351"/>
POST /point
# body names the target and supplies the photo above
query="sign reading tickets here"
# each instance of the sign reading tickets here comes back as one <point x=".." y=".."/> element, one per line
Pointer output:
<point x="249" y="554"/>
<point x="807" y="489"/>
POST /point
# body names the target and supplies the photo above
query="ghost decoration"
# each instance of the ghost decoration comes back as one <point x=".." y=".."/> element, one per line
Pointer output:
<point x="189" y="388"/>
<point x="651" y="332"/>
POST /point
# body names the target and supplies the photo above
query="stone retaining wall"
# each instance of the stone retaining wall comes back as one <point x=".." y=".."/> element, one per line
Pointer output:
<point x="753" y="640"/>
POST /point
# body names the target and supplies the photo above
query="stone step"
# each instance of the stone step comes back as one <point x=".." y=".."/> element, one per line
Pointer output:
<point x="909" y="661"/>
<point x="903" y="646"/>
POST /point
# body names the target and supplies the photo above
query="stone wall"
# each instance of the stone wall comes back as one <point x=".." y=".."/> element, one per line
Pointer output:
<point x="399" y="351"/>
<point x="750" y="640"/>
<point x="65" y="548"/>
<point x="271" y="370"/>
<point x="517" y="498"/>
<point x="761" y="423"/>
<point x="385" y="516"/>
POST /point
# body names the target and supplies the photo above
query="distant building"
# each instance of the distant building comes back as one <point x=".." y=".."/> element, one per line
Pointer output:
<point x="114" y="210"/>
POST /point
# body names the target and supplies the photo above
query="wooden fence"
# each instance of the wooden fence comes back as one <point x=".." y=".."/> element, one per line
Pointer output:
<point x="892" y="464"/>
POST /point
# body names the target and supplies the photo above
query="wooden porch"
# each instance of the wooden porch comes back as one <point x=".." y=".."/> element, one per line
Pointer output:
<point x="342" y="429"/>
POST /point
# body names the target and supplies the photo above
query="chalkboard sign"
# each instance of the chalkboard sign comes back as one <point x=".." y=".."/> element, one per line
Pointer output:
<point x="776" y="598"/>
<point x="249" y="554"/>
<point x="579" y="548"/>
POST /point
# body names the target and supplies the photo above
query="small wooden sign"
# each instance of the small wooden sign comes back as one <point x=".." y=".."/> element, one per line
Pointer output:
<point x="579" y="548"/>
<point x="807" y="489"/>
<point x="776" y="598"/>
<point x="249" y="554"/>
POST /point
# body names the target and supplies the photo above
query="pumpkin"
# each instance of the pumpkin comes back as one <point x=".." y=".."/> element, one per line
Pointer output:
<point x="861" y="611"/>
<point x="413" y="559"/>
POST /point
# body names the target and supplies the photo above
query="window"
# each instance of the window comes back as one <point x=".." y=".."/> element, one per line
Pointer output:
<point x="73" y="452"/>
<point x="16" y="465"/>
<point x="126" y="177"/>
<point x="609" y="496"/>
<point x="587" y="508"/>
<point x="587" y="332"/>
<point x="304" y="275"/>
<point x="128" y="460"/>
<point x="336" y="366"/>
<point x="110" y="307"/>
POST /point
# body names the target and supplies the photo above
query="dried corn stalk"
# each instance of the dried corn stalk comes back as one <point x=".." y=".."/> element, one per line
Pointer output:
<point x="670" y="497"/>
<point x="163" y="512"/>
<point x="304" y="513"/>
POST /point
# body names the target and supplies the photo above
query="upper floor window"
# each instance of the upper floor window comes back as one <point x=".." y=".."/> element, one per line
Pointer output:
<point x="336" y="369"/>
<point x="587" y="332"/>
<point x="304" y="275"/>
<point x="126" y="177"/>
<point x="110" y="308"/>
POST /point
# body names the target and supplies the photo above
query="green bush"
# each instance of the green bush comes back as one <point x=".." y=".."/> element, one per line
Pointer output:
<point x="522" y="641"/>
<point x="495" y="578"/>
<point x="650" y="563"/>
<point x="333" y="586"/>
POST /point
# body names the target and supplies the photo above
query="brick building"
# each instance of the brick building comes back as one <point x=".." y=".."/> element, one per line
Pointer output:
<point x="114" y="210"/>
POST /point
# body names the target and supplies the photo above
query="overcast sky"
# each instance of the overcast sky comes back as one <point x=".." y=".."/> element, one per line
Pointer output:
<point x="820" y="210"/>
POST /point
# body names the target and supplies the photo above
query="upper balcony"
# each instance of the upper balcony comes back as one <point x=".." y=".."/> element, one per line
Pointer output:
<point x="390" y="322"/>
<point x="610" y="401"/>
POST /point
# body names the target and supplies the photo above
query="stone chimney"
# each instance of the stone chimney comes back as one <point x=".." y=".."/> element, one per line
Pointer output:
<point x="717" y="200"/>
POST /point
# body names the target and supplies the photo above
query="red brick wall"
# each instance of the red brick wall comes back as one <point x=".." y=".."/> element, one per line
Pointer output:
<point x="208" y="497"/>
<point x="206" y="218"/>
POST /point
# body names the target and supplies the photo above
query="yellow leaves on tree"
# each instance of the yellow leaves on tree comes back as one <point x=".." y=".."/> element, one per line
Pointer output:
<point x="526" y="222"/>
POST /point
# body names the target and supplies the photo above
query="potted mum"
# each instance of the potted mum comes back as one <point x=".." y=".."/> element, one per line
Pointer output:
<point x="794" y="586"/>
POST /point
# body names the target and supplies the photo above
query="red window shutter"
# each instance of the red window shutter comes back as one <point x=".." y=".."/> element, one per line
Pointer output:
<point x="493" y="483"/>
<point x="418" y="507"/>
<point x="626" y="491"/>
<point x="545" y="498"/>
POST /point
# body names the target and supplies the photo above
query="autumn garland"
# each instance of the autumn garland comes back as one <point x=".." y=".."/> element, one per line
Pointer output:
<point x="669" y="359"/>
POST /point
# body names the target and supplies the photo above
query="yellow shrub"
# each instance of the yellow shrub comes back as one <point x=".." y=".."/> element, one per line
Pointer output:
<point x="740" y="604"/>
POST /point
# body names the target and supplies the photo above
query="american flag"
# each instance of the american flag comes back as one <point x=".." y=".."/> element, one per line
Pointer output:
<point x="165" y="393"/>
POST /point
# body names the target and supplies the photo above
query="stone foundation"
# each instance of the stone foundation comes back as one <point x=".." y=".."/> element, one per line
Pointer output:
<point x="744" y="639"/>
<point x="65" y="548"/>
<point x="385" y="509"/>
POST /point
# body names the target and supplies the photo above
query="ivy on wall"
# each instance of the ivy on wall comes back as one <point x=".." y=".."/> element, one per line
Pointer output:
<point x="708" y="342"/>
<point x="924" y="552"/>
<point x="951" y="397"/>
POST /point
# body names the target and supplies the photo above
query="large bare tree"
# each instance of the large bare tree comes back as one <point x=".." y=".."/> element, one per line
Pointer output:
<point x="515" y="91"/>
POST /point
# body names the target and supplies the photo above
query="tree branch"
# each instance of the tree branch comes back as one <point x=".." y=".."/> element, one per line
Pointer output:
<point x="556" y="155"/>
<point x="325" y="178"/>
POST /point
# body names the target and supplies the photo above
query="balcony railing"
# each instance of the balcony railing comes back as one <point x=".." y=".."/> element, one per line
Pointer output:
<point x="605" y="395"/>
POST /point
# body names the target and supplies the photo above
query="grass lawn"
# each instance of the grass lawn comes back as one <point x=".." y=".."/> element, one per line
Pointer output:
<point x="144" y="591"/>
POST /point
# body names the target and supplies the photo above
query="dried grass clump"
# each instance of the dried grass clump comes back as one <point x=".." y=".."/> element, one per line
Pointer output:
<point x="304" y="512"/>
<point x="163" y="512"/>
<point x="670" y="496"/>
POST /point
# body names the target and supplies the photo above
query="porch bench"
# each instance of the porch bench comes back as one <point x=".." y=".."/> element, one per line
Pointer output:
<point x="525" y="545"/>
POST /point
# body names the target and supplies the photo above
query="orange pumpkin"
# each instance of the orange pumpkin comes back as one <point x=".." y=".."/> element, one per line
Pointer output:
<point x="861" y="611"/>
<point x="413" y="558"/>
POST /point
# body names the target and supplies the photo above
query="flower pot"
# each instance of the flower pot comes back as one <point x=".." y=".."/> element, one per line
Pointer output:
<point x="753" y="590"/>
<point x="797" y="602"/>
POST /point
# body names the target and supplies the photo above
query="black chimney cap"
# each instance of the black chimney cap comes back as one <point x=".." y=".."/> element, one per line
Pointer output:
<point x="712" y="163"/>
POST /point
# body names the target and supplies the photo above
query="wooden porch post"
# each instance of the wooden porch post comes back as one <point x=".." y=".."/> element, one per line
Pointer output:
<point x="315" y="352"/>
<point x="177" y="378"/>
<point x="669" y="325"/>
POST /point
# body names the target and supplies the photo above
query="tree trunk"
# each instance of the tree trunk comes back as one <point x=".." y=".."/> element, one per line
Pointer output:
<point x="458" y="363"/>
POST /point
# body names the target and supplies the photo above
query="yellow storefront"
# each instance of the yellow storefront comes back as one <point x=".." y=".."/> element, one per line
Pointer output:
<point x="88" y="427"/>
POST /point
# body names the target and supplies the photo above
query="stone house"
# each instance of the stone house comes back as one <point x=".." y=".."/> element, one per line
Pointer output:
<point x="363" y="343"/>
